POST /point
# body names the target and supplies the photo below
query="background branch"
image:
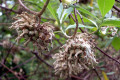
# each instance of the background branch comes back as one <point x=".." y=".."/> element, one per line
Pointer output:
<point x="116" y="8"/>
<point x="33" y="12"/>
<point x="11" y="10"/>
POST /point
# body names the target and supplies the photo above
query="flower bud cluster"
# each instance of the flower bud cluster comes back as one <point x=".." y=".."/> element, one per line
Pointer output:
<point x="75" y="56"/>
<point x="28" y="28"/>
<point x="67" y="3"/>
<point x="111" y="30"/>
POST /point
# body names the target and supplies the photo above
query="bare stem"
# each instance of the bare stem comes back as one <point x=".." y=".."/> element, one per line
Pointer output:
<point x="97" y="74"/>
<point x="44" y="8"/>
<point x="33" y="12"/>
<point x="60" y="0"/>
<point x="80" y="17"/>
<point x="115" y="7"/>
<point x="76" y="23"/>
<point x="117" y="1"/>
<point x="73" y="18"/>
<point x="11" y="10"/>
<point x="10" y="70"/>
<point x="38" y="57"/>
<point x="107" y="55"/>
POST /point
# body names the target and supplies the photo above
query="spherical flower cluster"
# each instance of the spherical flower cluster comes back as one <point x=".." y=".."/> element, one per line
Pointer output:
<point x="110" y="30"/>
<point x="28" y="28"/>
<point x="75" y="56"/>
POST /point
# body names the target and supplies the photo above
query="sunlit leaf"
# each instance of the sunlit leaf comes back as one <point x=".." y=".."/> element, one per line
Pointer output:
<point x="111" y="22"/>
<point x="65" y="14"/>
<point x="59" y="11"/>
<point x="52" y="11"/>
<point x="92" y="22"/>
<point x="80" y="25"/>
<point x="105" y="6"/>
<point x="87" y="12"/>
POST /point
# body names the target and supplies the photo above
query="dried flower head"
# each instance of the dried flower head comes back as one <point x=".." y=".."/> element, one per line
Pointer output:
<point x="28" y="27"/>
<point x="111" y="30"/>
<point x="77" y="54"/>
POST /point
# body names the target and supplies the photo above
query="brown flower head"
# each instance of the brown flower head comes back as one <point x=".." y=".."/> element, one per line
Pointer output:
<point x="28" y="27"/>
<point x="77" y="54"/>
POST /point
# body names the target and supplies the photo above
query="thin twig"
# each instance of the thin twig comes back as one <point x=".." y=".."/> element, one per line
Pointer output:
<point x="11" y="10"/>
<point x="33" y="12"/>
<point x="76" y="23"/>
<point x="72" y="17"/>
<point x="76" y="77"/>
<point x="97" y="74"/>
<point x="80" y="17"/>
<point x="60" y="1"/>
<point x="10" y="70"/>
<point x="38" y="57"/>
<point x="19" y="65"/>
<point x="44" y="8"/>
<point x="117" y="1"/>
<point x="58" y="41"/>
<point x="116" y="8"/>
<point x="107" y="55"/>
<point x="36" y="54"/>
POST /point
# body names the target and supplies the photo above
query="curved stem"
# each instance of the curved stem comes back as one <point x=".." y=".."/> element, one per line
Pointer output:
<point x="107" y="55"/>
<point x="44" y="8"/>
<point x="115" y="7"/>
<point x="20" y="2"/>
<point x="75" y="12"/>
<point x="64" y="33"/>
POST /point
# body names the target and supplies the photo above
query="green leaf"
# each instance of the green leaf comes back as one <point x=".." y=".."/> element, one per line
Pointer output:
<point x="66" y="14"/>
<point x="80" y="25"/>
<point x="92" y="22"/>
<point x="59" y="11"/>
<point x="63" y="13"/>
<point x="50" y="8"/>
<point x="108" y="42"/>
<point x="116" y="43"/>
<point x="105" y="6"/>
<point x="87" y="12"/>
<point x="111" y="22"/>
